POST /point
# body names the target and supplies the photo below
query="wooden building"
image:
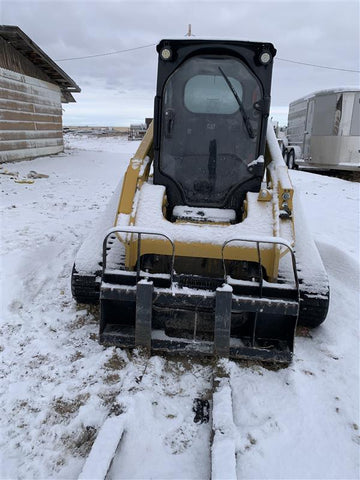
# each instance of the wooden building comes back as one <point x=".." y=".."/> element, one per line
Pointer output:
<point x="32" y="89"/>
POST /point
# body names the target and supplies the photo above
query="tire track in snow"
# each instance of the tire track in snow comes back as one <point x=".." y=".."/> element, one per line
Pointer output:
<point x="158" y="422"/>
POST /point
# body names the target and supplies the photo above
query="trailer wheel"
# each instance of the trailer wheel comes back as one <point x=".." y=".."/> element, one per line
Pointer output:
<point x="291" y="160"/>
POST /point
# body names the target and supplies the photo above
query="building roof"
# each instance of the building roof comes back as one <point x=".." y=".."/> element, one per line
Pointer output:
<point x="24" y="45"/>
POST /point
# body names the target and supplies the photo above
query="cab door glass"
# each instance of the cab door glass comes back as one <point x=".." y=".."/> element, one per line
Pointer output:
<point x="210" y="127"/>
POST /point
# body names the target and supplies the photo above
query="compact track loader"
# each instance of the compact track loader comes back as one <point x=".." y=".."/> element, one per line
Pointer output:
<point x="203" y="249"/>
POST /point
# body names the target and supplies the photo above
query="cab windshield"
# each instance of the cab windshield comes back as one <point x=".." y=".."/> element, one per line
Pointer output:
<point x="210" y="127"/>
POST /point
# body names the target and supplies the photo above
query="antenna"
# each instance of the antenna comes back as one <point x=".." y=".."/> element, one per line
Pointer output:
<point x="189" y="34"/>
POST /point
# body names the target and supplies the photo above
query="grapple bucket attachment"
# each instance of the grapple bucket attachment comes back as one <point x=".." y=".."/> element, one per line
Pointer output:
<point x="236" y="319"/>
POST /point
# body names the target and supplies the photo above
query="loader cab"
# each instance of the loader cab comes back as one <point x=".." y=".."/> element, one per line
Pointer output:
<point x="211" y="111"/>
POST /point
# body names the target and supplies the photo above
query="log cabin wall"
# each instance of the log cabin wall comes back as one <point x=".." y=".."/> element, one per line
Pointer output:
<point x="30" y="109"/>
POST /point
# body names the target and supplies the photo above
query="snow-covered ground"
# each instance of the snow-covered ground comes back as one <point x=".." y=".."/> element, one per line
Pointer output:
<point x="58" y="385"/>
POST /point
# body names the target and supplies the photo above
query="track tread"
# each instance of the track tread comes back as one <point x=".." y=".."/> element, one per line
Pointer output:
<point x="85" y="288"/>
<point x="313" y="309"/>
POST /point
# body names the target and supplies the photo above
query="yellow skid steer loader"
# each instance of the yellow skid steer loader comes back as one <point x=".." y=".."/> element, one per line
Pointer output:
<point x="203" y="249"/>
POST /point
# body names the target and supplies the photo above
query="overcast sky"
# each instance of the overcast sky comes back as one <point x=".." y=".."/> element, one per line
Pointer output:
<point x="119" y="89"/>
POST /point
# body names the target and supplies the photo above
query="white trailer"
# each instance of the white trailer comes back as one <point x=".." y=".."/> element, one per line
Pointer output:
<point x="324" y="131"/>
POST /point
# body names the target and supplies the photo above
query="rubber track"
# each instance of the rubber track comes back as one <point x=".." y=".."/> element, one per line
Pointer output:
<point x="313" y="309"/>
<point x="85" y="288"/>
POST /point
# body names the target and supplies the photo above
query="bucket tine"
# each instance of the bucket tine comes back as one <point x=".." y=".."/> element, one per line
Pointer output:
<point x="223" y="300"/>
<point x="144" y="298"/>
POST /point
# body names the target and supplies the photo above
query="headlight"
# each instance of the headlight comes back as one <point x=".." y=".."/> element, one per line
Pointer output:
<point x="165" y="53"/>
<point x="265" y="57"/>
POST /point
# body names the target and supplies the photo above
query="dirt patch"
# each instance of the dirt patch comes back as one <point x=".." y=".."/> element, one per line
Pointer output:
<point x="115" y="362"/>
<point x="303" y="332"/>
<point x="38" y="360"/>
<point x="80" y="443"/>
<point x="108" y="398"/>
<point x="112" y="378"/>
<point x="83" y="318"/>
<point x="65" y="408"/>
<point x="252" y="441"/>
<point x="24" y="405"/>
<point x="77" y="356"/>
